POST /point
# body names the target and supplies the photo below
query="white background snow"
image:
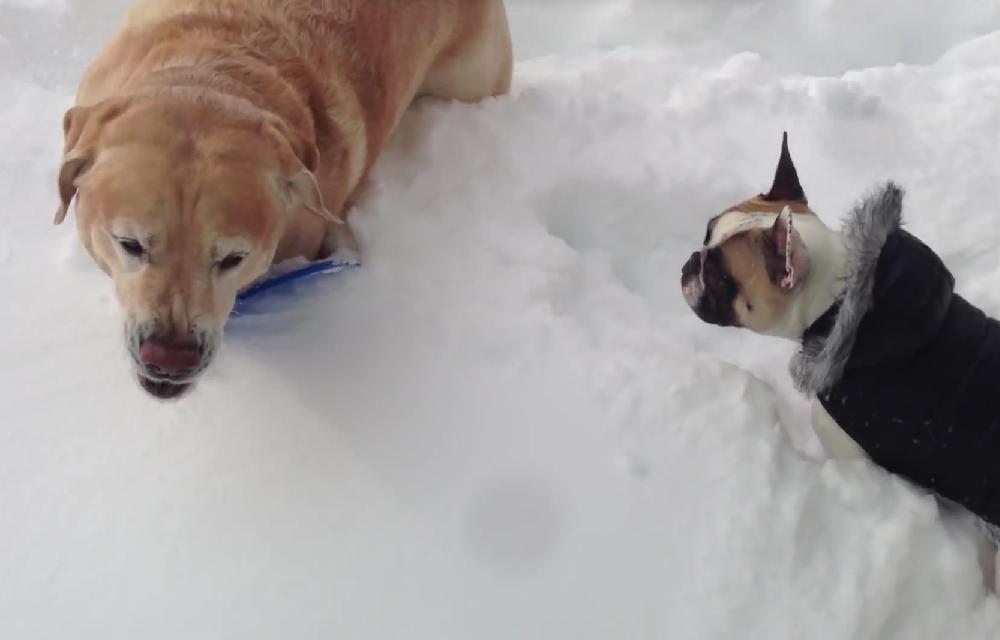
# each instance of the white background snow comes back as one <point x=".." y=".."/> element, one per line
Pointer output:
<point x="507" y="424"/>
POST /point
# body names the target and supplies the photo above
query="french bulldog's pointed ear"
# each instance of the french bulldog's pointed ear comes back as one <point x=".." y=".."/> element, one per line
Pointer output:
<point x="790" y="264"/>
<point x="786" y="187"/>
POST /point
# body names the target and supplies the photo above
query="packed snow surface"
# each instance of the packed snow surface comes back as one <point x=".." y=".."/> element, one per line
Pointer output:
<point x="507" y="424"/>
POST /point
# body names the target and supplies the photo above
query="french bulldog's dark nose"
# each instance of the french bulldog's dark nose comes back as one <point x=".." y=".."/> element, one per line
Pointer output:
<point x="691" y="268"/>
<point x="169" y="358"/>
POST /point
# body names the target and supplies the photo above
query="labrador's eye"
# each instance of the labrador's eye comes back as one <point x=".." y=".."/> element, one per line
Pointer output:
<point x="230" y="262"/>
<point x="132" y="247"/>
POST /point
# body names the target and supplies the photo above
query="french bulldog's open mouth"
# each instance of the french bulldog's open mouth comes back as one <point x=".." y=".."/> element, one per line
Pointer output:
<point x="164" y="390"/>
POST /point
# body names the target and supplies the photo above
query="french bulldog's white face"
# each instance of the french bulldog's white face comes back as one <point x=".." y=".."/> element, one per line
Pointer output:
<point x="754" y="263"/>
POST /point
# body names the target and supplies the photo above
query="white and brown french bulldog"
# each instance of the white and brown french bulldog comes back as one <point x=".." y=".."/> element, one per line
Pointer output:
<point x="901" y="369"/>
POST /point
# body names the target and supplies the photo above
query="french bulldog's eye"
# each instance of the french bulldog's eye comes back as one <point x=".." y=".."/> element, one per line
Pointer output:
<point x="230" y="262"/>
<point x="131" y="247"/>
<point x="749" y="306"/>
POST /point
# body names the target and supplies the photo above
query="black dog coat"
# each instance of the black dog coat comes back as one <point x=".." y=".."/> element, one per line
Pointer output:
<point x="906" y="367"/>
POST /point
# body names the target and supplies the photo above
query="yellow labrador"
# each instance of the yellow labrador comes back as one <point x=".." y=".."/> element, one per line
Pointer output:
<point x="214" y="138"/>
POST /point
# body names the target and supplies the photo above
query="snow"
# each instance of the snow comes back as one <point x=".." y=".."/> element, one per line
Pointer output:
<point x="507" y="424"/>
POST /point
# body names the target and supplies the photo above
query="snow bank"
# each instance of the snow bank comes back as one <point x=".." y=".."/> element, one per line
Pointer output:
<point x="507" y="424"/>
<point x="815" y="36"/>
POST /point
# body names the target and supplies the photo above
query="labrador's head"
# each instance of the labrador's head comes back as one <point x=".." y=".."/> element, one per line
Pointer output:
<point x="182" y="204"/>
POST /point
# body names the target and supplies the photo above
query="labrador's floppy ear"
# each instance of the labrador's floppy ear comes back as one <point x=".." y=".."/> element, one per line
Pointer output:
<point x="73" y="167"/>
<point x="299" y="159"/>
<point x="302" y="190"/>
<point x="75" y="162"/>
<point x="81" y="129"/>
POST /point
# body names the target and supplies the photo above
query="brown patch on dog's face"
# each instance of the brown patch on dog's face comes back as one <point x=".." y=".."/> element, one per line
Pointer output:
<point x="757" y="268"/>
<point x="182" y="218"/>
<point x="710" y="288"/>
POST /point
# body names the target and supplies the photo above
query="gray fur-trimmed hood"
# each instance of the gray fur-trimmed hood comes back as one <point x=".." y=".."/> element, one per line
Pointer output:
<point x="821" y="361"/>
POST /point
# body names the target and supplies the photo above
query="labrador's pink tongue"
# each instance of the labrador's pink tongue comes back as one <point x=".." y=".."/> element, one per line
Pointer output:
<point x="169" y="358"/>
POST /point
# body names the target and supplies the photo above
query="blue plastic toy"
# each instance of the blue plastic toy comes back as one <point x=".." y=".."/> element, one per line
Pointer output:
<point x="271" y="282"/>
